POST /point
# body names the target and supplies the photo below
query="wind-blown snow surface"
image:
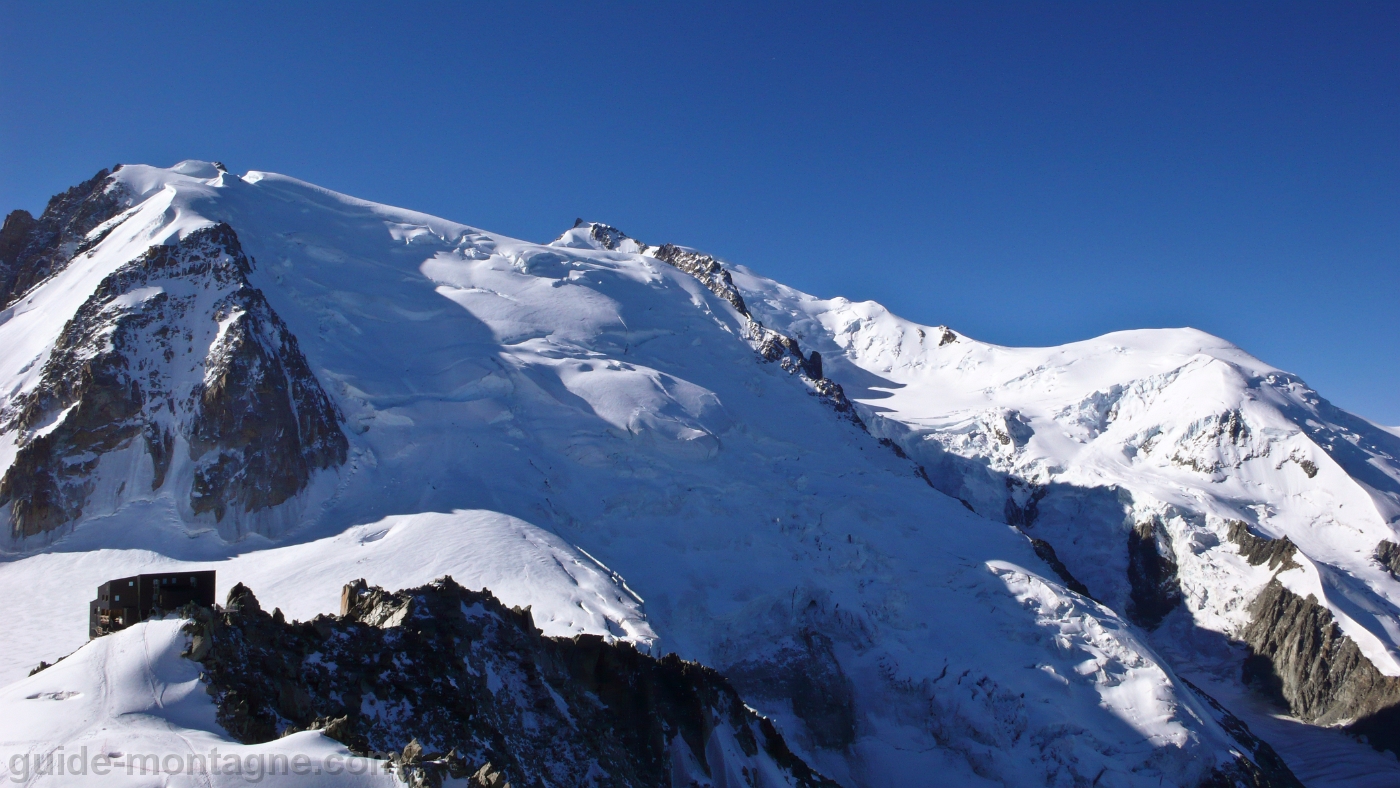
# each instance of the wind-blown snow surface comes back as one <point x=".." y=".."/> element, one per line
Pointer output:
<point x="557" y="400"/>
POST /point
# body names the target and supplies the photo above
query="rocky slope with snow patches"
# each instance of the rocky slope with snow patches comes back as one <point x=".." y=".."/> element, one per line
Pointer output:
<point x="472" y="682"/>
<point x="173" y="374"/>
<point x="289" y="385"/>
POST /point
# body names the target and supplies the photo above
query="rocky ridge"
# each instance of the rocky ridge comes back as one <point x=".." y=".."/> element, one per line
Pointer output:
<point x="441" y="679"/>
<point x="1299" y="656"/>
<point x="178" y="369"/>
<point x="771" y="345"/>
<point x="32" y="249"/>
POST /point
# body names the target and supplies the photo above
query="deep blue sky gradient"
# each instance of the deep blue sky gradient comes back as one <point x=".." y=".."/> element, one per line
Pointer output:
<point x="1027" y="173"/>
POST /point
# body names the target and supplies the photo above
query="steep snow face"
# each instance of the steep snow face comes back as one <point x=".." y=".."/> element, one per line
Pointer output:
<point x="618" y="398"/>
<point x="1171" y="433"/>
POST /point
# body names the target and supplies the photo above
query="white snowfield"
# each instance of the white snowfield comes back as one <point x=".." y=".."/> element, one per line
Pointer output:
<point x="128" y="710"/>
<point x="1146" y="414"/>
<point x="546" y="420"/>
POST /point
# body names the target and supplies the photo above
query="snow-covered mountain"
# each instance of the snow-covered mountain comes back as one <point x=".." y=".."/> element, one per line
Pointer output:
<point x="917" y="554"/>
<point x="1181" y="480"/>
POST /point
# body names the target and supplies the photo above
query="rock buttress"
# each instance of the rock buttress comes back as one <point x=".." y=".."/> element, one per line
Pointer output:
<point x="174" y="347"/>
<point x="462" y="678"/>
<point x="1299" y="656"/>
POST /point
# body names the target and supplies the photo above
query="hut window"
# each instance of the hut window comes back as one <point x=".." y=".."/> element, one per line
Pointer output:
<point x="119" y="597"/>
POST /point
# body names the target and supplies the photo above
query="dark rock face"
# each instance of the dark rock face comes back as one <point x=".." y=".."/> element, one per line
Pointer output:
<point x="806" y="674"/>
<point x="32" y="249"/>
<point x="1154" y="590"/>
<point x="1047" y="554"/>
<point x="1277" y="553"/>
<point x="263" y="424"/>
<point x="1299" y="656"/>
<point x="1388" y="553"/>
<point x="174" y="346"/>
<point x="447" y="679"/>
<point x="14" y="237"/>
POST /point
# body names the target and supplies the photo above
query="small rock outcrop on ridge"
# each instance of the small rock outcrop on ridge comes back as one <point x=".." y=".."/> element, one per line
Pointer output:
<point x="772" y="346"/>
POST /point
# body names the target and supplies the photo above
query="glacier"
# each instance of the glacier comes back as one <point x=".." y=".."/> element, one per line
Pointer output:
<point x="639" y="442"/>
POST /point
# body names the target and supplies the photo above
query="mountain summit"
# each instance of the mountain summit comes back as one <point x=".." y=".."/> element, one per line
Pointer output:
<point x="1118" y="562"/>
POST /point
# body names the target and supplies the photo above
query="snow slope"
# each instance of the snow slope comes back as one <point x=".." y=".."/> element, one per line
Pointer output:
<point x="510" y="405"/>
<point x="522" y="564"/>
<point x="1141" y="411"/>
<point x="1078" y="443"/>
<point x="128" y="710"/>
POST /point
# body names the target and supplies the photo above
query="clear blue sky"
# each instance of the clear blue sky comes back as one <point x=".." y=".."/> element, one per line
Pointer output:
<point x="1027" y="173"/>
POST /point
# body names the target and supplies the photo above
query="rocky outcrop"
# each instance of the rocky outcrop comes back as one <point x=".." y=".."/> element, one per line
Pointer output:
<point x="1046" y="553"/>
<point x="441" y="679"/>
<point x="1388" y="553"/>
<point x="606" y="236"/>
<point x="32" y="249"/>
<point x="173" y="348"/>
<point x="1259" y="550"/>
<point x="772" y="346"/>
<point x="1153" y="587"/>
<point x="705" y="268"/>
<point x="1299" y="656"/>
